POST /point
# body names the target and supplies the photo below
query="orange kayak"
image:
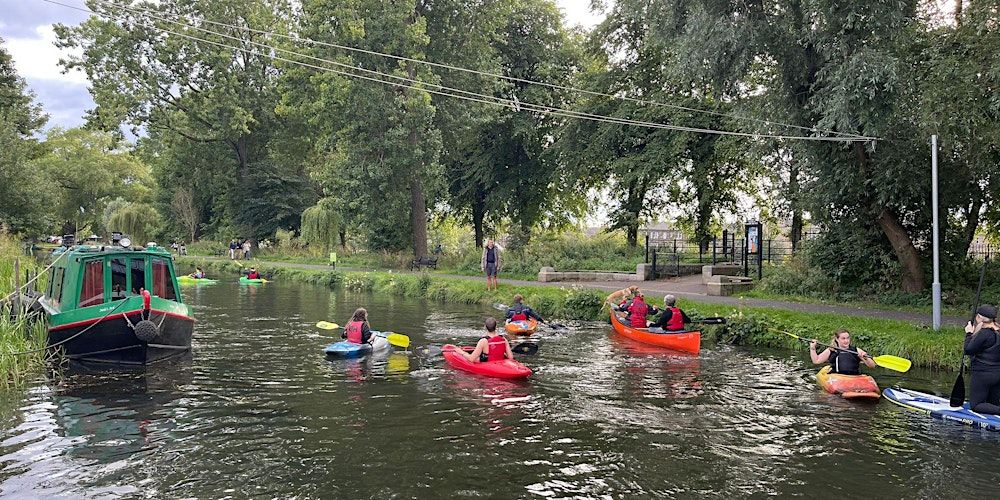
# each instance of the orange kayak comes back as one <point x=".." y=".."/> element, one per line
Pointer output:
<point x="681" y="341"/>
<point x="522" y="327"/>
<point x="848" y="386"/>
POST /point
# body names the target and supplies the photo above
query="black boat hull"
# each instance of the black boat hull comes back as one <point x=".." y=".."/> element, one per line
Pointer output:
<point x="111" y="340"/>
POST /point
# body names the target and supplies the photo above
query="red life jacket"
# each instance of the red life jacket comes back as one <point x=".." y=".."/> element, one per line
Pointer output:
<point x="497" y="348"/>
<point x="519" y="317"/>
<point x="353" y="331"/>
<point x="637" y="313"/>
<point x="676" y="321"/>
<point x="253" y="276"/>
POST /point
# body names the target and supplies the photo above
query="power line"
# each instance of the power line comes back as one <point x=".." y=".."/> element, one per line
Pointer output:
<point x="503" y="77"/>
<point x="443" y="90"/>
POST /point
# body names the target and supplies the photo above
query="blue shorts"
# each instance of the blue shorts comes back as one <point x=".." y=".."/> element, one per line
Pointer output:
<point x="491" y="269"/>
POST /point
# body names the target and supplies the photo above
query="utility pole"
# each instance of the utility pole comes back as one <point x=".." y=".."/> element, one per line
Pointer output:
<point x="936" y="286"/>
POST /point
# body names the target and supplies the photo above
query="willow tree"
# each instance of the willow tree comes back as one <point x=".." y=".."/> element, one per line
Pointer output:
<point x="323" y="225"/>
<point x="138" y="220"/>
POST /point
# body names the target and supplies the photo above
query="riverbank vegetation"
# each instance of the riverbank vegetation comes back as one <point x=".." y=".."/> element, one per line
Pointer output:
<point x="746" y="325"/>
<point x="17" y="335"/>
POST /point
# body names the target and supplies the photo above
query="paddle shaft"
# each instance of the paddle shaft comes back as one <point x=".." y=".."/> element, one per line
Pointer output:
<point x="809" y="341"/>
<point x="958" y="390"/>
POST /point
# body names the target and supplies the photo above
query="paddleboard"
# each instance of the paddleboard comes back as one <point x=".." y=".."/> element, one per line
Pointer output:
<point x="938" y="407"/>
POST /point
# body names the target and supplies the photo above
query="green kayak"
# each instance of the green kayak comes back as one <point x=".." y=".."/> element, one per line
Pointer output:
<point x="187" y="280"/>
<point x="247" y="281"/>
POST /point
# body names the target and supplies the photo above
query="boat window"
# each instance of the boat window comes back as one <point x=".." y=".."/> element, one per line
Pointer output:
<point x="163" y="283"/>
<point x="119" y="275"/>
<point x="57" y="283"/>
<point x="138" y="275"/>
<point x="92" y="292"/>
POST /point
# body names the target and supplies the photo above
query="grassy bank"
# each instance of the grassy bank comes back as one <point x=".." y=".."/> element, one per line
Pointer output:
<point x="746" y="325"/>
<point x="17" y="336"/>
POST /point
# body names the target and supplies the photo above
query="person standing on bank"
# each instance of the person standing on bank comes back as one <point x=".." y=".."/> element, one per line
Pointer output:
<point x="982" y="343"/>
<point x="490" y="264"/>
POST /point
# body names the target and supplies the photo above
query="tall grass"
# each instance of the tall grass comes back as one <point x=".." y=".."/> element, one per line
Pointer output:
<point x="17" y="335"/>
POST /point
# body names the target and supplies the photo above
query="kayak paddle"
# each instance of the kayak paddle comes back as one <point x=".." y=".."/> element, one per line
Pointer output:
<point x="711" y="321"/>
<point x="396" y="339"/>
<point x="958" y="390"/>
<point x="526" y="348"/>
<point x="555" y="326"/>
<point x="894" y="363"/>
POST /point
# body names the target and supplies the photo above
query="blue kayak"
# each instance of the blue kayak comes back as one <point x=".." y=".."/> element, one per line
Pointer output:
<point x="345" y="349"/>
<point x="941" y="408"/>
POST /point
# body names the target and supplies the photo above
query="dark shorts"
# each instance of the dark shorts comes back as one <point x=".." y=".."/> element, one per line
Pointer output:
<point x="491" y="269"/>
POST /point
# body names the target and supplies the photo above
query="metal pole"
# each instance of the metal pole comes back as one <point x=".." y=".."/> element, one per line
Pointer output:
<point x="647" y="248"/>
<point x="936" y="286"/>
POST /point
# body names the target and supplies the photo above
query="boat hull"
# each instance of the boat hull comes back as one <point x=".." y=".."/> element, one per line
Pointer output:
<point x="104" y="335"/>
<point x="683" y="341"/>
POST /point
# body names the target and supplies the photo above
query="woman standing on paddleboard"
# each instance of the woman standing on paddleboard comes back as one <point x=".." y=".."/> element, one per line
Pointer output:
<point x="843" y="358"/>
<point x="982" y="342"/>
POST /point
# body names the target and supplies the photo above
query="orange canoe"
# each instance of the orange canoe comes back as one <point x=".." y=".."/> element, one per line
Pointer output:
<point x="848" y="386"/>
<point x="681" y="341"/>
<point x="522" y="327"/>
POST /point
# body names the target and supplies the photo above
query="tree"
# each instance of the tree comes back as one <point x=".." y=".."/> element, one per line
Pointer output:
<point x="88" y="169"/>
<point x="374" y="141"/>
<point x="322" y="225"/>
<point x="186" y="212"/>
<point x="166" y="67"/>
<point x="138" y="220"/>
<point x="24" y="196"/>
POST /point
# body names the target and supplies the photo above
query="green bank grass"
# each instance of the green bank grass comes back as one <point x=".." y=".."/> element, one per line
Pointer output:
<point x="17" y="335"/>
<point x="745" y="325"/>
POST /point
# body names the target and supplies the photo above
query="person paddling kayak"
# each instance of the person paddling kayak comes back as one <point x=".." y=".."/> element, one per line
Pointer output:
<point x="492" y="347"/>
<point x="520" y="312"/>
<point x="253" y="274"/>
<point x="357" y="330"/>
<point x="198" y="274"/>
<point x="846" y="359"/>
<point x="673" y="318"/>
<point x="982" y="342"/>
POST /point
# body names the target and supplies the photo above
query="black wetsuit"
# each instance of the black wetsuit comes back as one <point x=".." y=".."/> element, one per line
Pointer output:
<point x="522" y="309"/>
<point x="984" y="393"/>
<point x="845" y="362"/>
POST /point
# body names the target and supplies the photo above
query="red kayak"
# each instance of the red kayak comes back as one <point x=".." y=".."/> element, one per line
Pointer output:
<point x="680" y="341"/>
<point x="507" y="368"/>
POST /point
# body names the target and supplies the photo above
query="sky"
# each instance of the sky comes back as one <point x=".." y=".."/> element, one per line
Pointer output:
<point x="26" y="27"/>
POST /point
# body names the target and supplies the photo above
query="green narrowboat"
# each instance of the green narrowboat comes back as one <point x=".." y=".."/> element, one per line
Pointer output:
<point x="116" y="304"/>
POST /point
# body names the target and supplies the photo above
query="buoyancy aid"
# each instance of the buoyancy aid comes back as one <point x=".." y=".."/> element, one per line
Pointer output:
<point x="676" y="321"/>
<point x="353" y="331"/>
<point x="846" y="362"/>
<point x="637" y="313"/>
<point x="497" y="347"/>
<point x="520" y="313"/>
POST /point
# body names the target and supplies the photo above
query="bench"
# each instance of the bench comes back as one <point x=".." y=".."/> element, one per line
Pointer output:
<point x="424" y="262"/>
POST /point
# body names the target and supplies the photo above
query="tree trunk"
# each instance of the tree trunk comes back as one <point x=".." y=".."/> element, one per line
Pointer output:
<point x="906" y="253"/>
<point x="418" y="210"/>
<point x="971" y="224"/>
<point x="478" y="214"/>
<point x="632" y="234"/>
<point x="958" y="12"/>
<point x="343" y="237"/>
<point x="795" y="234"/>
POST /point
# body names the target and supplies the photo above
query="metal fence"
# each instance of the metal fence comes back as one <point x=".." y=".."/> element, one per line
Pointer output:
<point x="668" y="256"/>
<point x="983" y="250"/>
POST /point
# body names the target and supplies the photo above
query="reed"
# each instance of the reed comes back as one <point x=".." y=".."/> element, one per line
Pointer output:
<point x="17" y="334"/>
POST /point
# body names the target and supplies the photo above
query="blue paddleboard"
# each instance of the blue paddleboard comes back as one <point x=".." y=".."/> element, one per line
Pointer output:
<point x="941" y="408"/>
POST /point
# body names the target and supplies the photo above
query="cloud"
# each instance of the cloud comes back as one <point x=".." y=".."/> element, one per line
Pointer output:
<point x="37" y="58"/>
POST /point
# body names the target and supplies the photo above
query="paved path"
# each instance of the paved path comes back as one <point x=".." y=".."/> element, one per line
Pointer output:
<point x="686" y="286"/>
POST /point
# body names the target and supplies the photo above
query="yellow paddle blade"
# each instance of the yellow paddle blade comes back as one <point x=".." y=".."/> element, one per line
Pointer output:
<point x="326" y="325"/>
<point x="398" y="339"/>
<point x="893" y="363"/>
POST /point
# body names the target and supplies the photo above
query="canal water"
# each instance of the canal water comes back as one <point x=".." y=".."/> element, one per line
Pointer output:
<point x="259" y="411"/>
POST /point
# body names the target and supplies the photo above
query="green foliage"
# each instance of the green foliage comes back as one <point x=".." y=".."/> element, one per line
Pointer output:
<point x="17" y="335"/>
<point x="321" y="225"/>
<point x="139" y="220"/>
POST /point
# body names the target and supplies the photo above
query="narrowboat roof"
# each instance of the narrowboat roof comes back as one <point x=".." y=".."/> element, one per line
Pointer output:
<point x="92" y="250"/>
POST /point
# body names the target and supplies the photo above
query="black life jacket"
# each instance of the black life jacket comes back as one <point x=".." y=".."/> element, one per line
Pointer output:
<point x="846" y="361"/>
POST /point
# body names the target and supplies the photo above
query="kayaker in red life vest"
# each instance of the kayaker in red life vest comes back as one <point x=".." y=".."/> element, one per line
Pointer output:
<point x="492" y="347"/>
<point x="673" y="318"/>
<point x="637" y="311"/>
<point x="253" y="274"/>
<point x="357" y="330"/>
<point x="520" y="312"/>
<point x="846" y="360"/>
